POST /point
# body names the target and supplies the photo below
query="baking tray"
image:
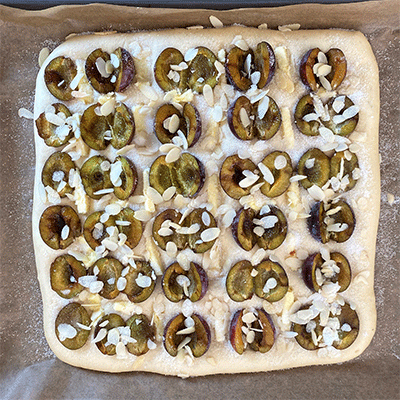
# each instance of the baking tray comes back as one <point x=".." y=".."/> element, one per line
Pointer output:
<point x="28" y="369"/>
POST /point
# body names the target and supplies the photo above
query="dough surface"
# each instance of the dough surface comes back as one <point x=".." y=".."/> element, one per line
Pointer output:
<point x="361" y="84"/>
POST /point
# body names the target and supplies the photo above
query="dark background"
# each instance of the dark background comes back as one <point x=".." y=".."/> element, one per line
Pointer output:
<point x="212" y="4"/>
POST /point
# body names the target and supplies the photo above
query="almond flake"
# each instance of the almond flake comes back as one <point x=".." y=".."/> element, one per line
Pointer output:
<point x="66" y="331"/>
<point x="101" y="334"/>
<point x="121" y="283"/>
<point x="250" y="337"/>
<point x="180" y="67"/>
<point x="326" y="133"/>
<point x="169" y="193"/>
<point x="228" y="218"/>
<point x="337" y="227"/>
<point x="259" y="231"/>
<point x="65" y="232"/>
<point x="142" y="215"/>
<point x="219" y="66"/>
<point x="338" y="119"/>
<point x="309" y="163"/>
<point x="103" y="191"/>
<point x="267" y="174"/>
<point x="310" y="117"/>
<point x="148" y="91"/>
<point x="205" y="217"/>
<point x="43" y="54"/>
<point x="280" y="162"/>
<point x="167" y="147"/>
<point x="215" y="22"/>
<point x="390" y="198"/>
<point x="190" y="54"/>
<point x="173" y="123"/>
<point x="218" y="113"/>
<point x="323" y="70"/>
<point x="255" y="78"/>
<point x="105" y="166"/>
<point x="143" y="281"/>
<point x="108" y="107"/>
<point x="113" y="209"/>
<point x="249" y="180"/>
<point x="114" y="60"/>
<point x="325" y="83"/>
<point x="173" y="155"/>
<point x="208" y="95"/>
<point x="350" y="112"/>
<point x="54" y="119"/>
<point x="24" y="113"/>
<point x="153" y="194"/>
<point x="271" y="283"/>
<point x="101" y="67"/>
<point x="96" y="286"/>
<point x="289" y="27"/>
<point x="354" y="147"/>
<point x="171" y="249"/>
<point x="316" y="193"/>
<point x="184" y="343"/>
<point x="249" y="318"/>
<point x="338" y="104"/>
<point x="242" y="44"/>
<point x="210" y="234"/>
<point x="263" y="107"/>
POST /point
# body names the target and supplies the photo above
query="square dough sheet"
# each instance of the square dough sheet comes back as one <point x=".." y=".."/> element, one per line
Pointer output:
<point x="296" y="307"/>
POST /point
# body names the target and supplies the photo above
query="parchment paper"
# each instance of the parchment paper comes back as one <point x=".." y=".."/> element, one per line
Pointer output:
<point x="28" y="369"/>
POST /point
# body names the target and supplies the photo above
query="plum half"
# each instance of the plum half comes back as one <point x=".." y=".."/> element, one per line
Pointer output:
<point x="58" y="76"/>
<point x="162" y="220"/>
<point x="96" y="177"/>
<point x="110" y="72"/>
<point x="231" y="174"/>
<point x="241" y="64"/>
<point x="347" y="331"/>
<point x="168" y="227"/>
<point x="141" y="331"/>
<point x="202" y="70"/>
<point x="108" y="271"/>
<point x="169" y="56"/>
<point x="49" y="131"/>
<point x="117" y="128"/>
<point x="59" y="226"/>
<point x="332" y="221"/>
<point x="315" y="165"/>
<point x="248" y="121"/>
<point x="193" y="332"/>
<point x="72" y="317"/>
<point x="334" y="65"/>
<point x="138" y="288"/>
<point x="108" y="322"/>
<point x="56" y="170"/>
<point x="342" y="164"/>
<point x="280" y="166"/>
<point x="65" y="271"/>
<point x="268" y="230"/>
<point x="251" y="329"/>
<point x="316" y="271"/>
<point x="187" y="174"/>
<point x="189" y="123"/>
<point x="179" y="284"/>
